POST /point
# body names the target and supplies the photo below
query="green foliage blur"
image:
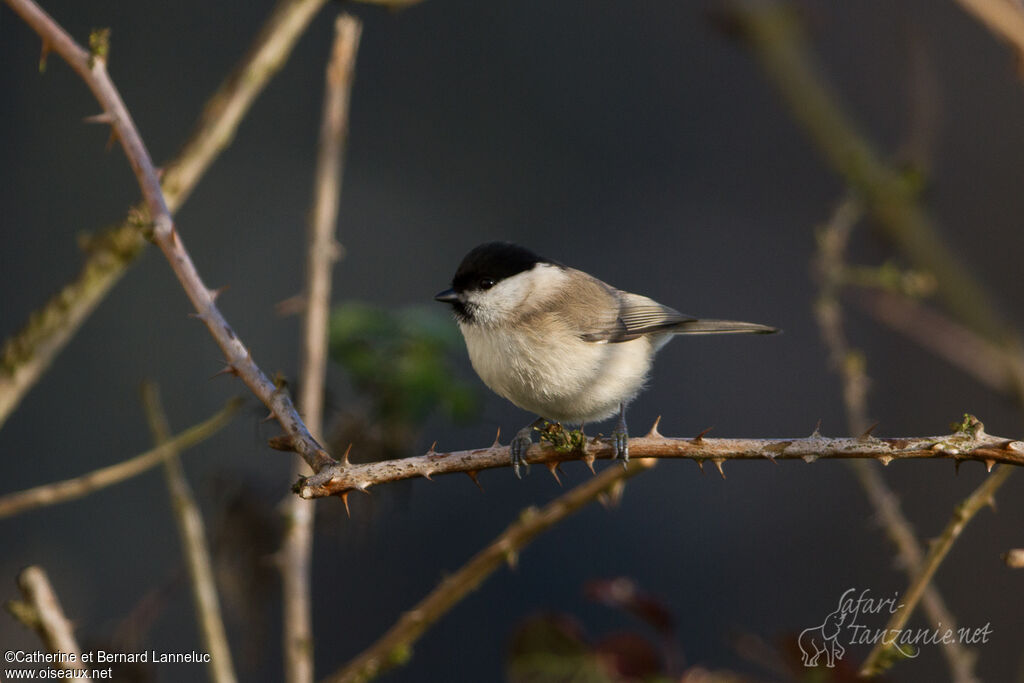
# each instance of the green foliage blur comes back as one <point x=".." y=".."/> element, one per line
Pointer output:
<point x="399" y="362"/>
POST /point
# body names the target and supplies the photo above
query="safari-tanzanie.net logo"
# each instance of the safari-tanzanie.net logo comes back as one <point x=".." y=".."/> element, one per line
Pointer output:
<point x="825" y="644"/>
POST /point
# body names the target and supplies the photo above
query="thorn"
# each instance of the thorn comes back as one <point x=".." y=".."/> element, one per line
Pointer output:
<point x="214" y="293"/>
<point x="268" y="418"/>
<point x="293" y="305"/>
<point x="103" y="117"/>
<point x="885" y="460"/>
<point x="112" y="139"/>
<point x="497" y="444"/>
<point x="589" y="459"/>
<point x="426" y="475"/>
<point x="700" y="437"/>
<point x="816" y="434"/>
<point x="771" y="457"/>
<point x="989" y="463"/>
<point x="604" y="500"/>
<point x="281" y="443"/>
<point x="226" y="370"/>
<point x="344" y="458"/>
<point x="553" y="468"/>
<point x="432" y="447"/>
<point x="700" y="464"/>
<point x="654" y="433"/>
<point x="344" y="498"/>
<point x="512" y="559"/>
<point x="956" y="465"/>
<point x="473" y="475"/>
<point x="718" y="463"/>
<point x="866" y="436"/>
<point x="44" y="52"/>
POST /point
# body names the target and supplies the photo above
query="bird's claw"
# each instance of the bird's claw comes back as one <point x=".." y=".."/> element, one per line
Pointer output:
<point x="520" y="445"/>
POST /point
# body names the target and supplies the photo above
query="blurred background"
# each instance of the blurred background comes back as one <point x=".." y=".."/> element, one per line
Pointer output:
<point x="635" y="140"/>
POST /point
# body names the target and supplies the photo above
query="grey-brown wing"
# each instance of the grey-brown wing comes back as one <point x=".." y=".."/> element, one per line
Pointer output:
<point x="637" y="316"/>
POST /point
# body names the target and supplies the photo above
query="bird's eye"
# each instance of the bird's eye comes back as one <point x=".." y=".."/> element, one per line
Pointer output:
<point x="486" y="283"/>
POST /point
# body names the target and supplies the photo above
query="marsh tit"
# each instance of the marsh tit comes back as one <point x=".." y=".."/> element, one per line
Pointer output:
<point x="560" y="343"/>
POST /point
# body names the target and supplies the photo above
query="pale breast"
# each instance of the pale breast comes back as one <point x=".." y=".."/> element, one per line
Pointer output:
<point x="558" y="375"/>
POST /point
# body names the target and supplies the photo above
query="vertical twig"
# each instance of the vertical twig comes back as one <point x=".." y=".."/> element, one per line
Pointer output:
<point x="193" y="543"/>
<point x="322" y="252"/>
<point x="41" y="611"/>
<point x="849" y="364"/>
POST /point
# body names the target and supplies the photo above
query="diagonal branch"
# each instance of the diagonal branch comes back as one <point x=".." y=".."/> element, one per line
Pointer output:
<point x="193" y="543"/>
<point x="91" y="67"/>
<point x="877" y="661"/>
<point x="322" y="252"/>
<point x="395" y="645"/>
<point x="971" y="444"/>
<point x="773" y="32"/>
<point x="83" y="485"/>
<point x="27" y="355"/>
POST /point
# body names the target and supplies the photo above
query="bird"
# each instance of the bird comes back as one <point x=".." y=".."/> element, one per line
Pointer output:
<point x="560" y="343"/>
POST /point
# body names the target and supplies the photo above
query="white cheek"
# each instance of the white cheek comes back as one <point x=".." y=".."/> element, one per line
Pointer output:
<point x="505" y="301"/>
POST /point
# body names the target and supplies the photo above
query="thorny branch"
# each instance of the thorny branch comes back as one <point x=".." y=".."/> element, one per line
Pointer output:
<point x="971" y="443"/>
<point x="91" y="67"/>
<point x="322" y="252"/>
<point x="40" y="611"/>
<point x="394" y="647"/>
<point x="28" y="353"/>
<point x="193" y="543"/>
<point x="70" y="489"/>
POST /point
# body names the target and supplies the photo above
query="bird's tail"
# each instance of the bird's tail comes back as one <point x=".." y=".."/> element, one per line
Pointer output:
<point x="721" y="327"/>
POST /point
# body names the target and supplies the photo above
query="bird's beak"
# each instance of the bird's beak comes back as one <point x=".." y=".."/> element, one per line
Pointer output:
<point x="448" y="296"/>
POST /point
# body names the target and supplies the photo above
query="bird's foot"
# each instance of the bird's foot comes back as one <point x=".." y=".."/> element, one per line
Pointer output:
<point x="620" y="438"/>
<point x="520" y="445"/>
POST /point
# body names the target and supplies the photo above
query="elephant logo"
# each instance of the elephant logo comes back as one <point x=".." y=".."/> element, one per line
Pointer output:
<point x="823" y="640"/>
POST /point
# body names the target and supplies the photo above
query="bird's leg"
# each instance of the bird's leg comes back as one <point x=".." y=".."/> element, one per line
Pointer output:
<point x="620" y="436"/>
<point x="521" y="443"/>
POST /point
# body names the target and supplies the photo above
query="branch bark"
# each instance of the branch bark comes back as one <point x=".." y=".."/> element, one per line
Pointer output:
<point x="395" y="646"/>
<point x="193" y="544"/>
<point x="71" y="489"/>
<point x="1003" y="17"/>
<point x="40" y="611"/>
<point x="91" y="67"/>
<point x="28" y="353"/>
<point x="322" y="252"/>
<point x="972" y="444"/>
